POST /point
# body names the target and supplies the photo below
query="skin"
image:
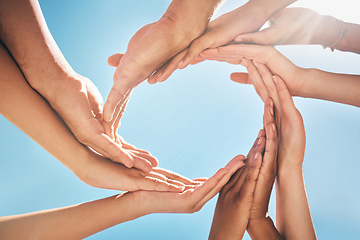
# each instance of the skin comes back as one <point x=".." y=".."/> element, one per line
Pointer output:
<point x="95" y="216"/>
<point x="304" y="26"/>
<point x="26" y="109"/>
<point x="74" y="97"/>
<point x="183" y="21"/>
<point x="243" y="201"/>
<point x="247" y="18"/>
<point x="308" y="83"/>
<point x="292" y="210"/>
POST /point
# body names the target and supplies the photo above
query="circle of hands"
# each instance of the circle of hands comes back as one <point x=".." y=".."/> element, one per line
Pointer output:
<point x="246" y="182"/>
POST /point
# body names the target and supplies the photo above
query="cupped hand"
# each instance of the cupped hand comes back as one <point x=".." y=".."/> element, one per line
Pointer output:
<point x="289" y="26"/>
<point x="277" y="63"/>
<point x="100" y="172"/>
<point x="193" y="198"/>
<point x="79" y="103"/>
<point x="219" y="32"/>
<point x="236" y="197"/>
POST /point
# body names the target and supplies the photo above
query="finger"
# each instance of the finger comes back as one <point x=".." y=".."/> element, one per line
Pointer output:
<point x="268" y="79"/>
<point x="211" y="187"/>
<point x="120" y="109"/>
<point x="105" y="145"/>
<point x="117" y="96"/>
<point x="150" y="158"/>
<point x="284" y="95"/>
<point x="196" y="47"/>
<point x="141" y="163"/>
<point x="256" y="79"/>
<point x="248" y="187"/>
<point x="261" y="134"/>
<point x="200" y="179"/>
<point x="154" y="184"/>
<point x="240" y="77"/>
<point x="233" y="179"/>
<point x="166" y="179"/>
<point x="262" y="37"/>
<point x="174" y="176"/>
<point x="169" y="68"/>
<point x="269" y="161"/>
<point x="114" y="59"/>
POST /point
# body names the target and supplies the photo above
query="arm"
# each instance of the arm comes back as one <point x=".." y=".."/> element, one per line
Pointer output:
<point x="26" y="109"/>
<point x="310" y="83"/>
<point x="74" y="97"/>
<point x="247" y="18"/>
<point x="304" y="26"/>
<point x="293" y="213"/>
<point x="63" y="223"/>
<point x="155" y="44"/>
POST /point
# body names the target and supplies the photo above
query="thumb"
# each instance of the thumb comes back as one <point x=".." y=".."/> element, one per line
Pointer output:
<point x="261" y="38"/>
<point x="241" y="77"/>
<point x="114" y="59"/>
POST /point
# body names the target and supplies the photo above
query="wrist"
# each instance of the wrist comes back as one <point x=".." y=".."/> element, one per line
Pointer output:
<point x="327" y="31"/>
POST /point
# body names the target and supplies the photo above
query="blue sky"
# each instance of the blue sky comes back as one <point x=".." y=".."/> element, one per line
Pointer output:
<point x="195" y="122"/>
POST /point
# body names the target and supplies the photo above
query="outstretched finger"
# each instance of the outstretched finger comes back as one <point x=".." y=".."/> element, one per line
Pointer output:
<point x="174" y="176"/>
<point x="256" y="79"/>
<point x="105" y="145"/>
<point x="155" y="184"/>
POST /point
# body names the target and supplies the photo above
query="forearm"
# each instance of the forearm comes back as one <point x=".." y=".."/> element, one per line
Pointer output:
<point x="264" y="228"/>
<point x="26" y="109"/>
<point x="25" y="34"/>
<point x="73" y="222"/>
<point x="342" y="88"/>
<point x="293" y="216"/>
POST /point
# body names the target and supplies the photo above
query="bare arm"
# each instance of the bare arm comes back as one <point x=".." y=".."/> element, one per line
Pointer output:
<point x="82" y="220"/>
<point x="311" y="83"/>
<point x="26" y="109"/>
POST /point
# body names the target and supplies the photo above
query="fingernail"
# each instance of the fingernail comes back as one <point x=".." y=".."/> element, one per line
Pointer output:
<point x="259" y="134"/>
<point x="275" y="79"/>
<point x="257" y="155"/>
<point x="260" y="140"/>
<point x="256" y="64"/>
<point x="238" y="39"/>
<point x="271" y="103"/>
<point x="243" y="63"/>
<point x="271" y="111"/>
<point x="180" y="65"/>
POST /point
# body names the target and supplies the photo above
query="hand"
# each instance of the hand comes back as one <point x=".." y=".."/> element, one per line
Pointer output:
<point x="193" y="198"/>
<point x="98" y="171"/>
<point x="155" y="44"/>
<point x="289" y="26"/>
<point x="219" y="32"/>
<point x="265" y="181"/>
<point x="289" y="122"/>
<point x="236" y="197"/>
<point x="79" y="103"/>
<point x="278" y="64"/>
